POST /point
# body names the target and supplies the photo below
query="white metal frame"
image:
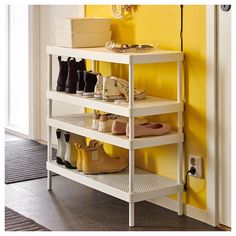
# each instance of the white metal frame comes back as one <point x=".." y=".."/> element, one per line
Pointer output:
<point x="102" y="54"/>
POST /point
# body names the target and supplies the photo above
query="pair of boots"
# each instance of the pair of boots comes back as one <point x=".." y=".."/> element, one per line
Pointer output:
<point x="93" y="159"/>
<point x="68" y="74"/>
<point x="66" y="150"/>
<point x="86" y="83"/>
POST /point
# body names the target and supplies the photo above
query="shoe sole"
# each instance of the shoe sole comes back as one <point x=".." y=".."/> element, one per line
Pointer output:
<point x="88" y="94"/>
<point x="60" y="89"/>
<point x="69" y="90"/>
<point x="59" y="161"/>
<point x="69" y="166"/>
<point x="79" y="92"/>
<point x="96" y="96"/>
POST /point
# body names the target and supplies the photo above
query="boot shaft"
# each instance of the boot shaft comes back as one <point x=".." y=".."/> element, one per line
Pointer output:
<point x="80" y="82"/>
<point x="72" y="76"/>
<point x="90" y="80"/>
<point x="62" y="76"/>
<point x="61" y="147"/>
<point x="71" y="150"/>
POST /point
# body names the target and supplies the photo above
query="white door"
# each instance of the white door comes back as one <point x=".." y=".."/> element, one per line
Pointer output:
<point x="224" y="115"/>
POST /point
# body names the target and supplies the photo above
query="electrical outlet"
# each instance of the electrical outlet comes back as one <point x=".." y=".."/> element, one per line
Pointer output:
<point x="197" y="162"/>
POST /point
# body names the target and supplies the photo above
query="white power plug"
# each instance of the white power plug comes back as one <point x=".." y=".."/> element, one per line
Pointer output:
<point x="197" y="163"/>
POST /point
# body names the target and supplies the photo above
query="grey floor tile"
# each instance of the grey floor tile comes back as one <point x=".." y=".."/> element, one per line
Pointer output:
<point x="73" y="207"/>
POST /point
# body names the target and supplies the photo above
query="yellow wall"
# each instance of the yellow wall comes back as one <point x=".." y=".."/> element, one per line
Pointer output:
<point x="161" y="24"/>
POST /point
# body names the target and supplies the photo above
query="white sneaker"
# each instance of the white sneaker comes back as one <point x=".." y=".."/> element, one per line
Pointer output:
<point x="98" y="87"/>
<point x="111" y="91"/>
<point x="95" y="121"/>
<point x="105" y="122"/>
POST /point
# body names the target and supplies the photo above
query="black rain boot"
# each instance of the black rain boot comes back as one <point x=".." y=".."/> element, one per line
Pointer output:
<point x="61" y="147"/>
<point x="80" y="83"/>
<point x="90" y="80"/>
<point x="72" y="77"/>
<point x="63" y="71"/>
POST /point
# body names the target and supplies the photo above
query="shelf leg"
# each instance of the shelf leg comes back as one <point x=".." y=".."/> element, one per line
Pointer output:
<point x="180" y="130"/>
<point x="49" y="129"/>
<point x="49" y="173"/>
<point x="131" y="214"/>
<point x="180" y="204"/>
<point x="131" y="186"/>
<point x="49" y="180"/>
<point x="180" y="195"/>
<point x="131" y="138"/>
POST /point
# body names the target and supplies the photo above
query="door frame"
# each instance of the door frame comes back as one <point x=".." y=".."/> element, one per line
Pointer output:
<point x="34" y="72"/>
<point x="212" y="155"/>
<point x="213" y="143"/>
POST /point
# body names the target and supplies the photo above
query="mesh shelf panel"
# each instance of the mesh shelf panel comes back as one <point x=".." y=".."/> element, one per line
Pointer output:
<point x="82" y="120"/>
<point x="143" y="181"/>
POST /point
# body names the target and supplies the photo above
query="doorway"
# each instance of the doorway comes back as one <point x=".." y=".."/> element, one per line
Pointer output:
<point x="18" y="80"/>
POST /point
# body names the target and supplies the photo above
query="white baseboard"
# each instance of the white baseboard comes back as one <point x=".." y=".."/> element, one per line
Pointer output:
<point x="188" y="210"/>
<point x="17" y="133"/>
<point x="45" y="143"/>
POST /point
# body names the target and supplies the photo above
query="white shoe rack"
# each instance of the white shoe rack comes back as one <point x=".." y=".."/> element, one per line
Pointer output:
<point x="132" y="185"/>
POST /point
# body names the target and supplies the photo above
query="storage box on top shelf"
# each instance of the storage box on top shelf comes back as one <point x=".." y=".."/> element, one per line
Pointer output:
<point x="82" y="32"/>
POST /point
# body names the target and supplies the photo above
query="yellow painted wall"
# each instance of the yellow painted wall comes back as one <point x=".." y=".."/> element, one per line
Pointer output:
<point x="161" y="24"/>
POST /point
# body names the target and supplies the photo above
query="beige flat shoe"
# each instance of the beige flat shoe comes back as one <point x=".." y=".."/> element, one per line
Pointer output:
<point x="119" y="125"/>
<point x="149" y="129"/>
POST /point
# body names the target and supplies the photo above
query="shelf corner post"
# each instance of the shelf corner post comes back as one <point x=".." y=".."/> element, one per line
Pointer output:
<point x="131" y="138"/>
<point x="180" y="144"/>
<point x="49" y="128"/>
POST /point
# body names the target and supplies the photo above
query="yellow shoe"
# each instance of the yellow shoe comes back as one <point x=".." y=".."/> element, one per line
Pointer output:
<point x="95" y="160"/>
<point x="71" y="151"/>
<point x="79" y="157"/>
<point x="79" y="147"/>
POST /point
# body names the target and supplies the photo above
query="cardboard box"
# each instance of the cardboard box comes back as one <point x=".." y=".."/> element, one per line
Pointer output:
<point x="82" y="32"/>
<point x="75" y="25"/>
<point x="82" y="39"/>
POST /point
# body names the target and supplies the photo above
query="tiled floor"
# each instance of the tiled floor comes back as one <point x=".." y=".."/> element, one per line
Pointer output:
<point x="72" y="206"/>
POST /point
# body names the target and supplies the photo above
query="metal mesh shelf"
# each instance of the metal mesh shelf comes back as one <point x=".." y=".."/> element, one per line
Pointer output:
<point x="148" y="106"/>
<point x="145" y="183"/>
<point x="82" y="123"/>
